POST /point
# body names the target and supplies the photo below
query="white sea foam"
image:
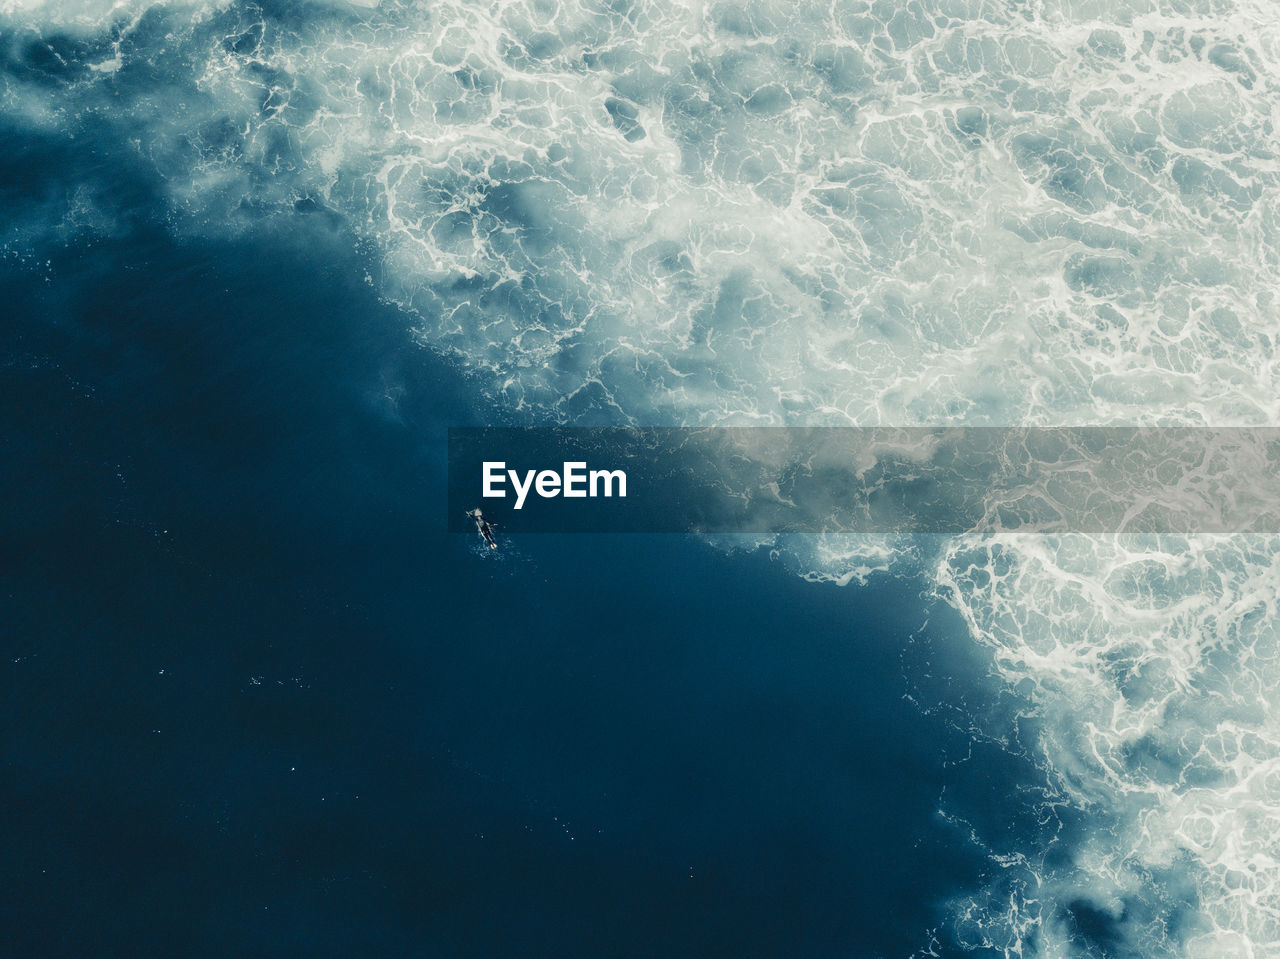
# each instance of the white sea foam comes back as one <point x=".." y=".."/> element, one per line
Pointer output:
<point x="1151" y="666"/>
<point x="936" y="211"/>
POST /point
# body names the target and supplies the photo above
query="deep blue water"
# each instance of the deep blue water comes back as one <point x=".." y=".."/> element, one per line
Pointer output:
<point x="256" y="700"/>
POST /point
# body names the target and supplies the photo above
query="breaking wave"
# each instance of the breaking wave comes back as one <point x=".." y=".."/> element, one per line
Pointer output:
<point x="867" y="213"/>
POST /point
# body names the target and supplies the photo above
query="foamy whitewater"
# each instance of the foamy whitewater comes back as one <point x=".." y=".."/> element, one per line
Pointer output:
<point x="1051" y="212"/>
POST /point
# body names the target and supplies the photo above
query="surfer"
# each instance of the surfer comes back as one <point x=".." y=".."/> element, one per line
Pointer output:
<point x="484" y="527"/>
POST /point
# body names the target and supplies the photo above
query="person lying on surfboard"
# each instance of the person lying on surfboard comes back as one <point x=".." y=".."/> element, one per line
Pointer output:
<point x="484" y="527"/>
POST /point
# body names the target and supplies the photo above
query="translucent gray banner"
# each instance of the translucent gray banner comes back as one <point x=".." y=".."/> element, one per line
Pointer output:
<point x="872" y="480"/>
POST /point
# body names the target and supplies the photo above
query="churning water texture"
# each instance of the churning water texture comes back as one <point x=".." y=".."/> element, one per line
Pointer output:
<point x="927" y="212"/>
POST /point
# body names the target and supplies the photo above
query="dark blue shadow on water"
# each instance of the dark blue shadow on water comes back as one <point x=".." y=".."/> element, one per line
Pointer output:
<point x="257" y="702"/>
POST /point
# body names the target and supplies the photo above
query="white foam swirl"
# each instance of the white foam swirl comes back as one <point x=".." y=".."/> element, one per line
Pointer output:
<point x="1151" y="666"/>
<point x="948" y="212"/>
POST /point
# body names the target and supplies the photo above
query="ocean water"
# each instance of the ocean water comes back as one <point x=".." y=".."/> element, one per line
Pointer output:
<point x="258" y="699"/>
<point x="258" y="256"/>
